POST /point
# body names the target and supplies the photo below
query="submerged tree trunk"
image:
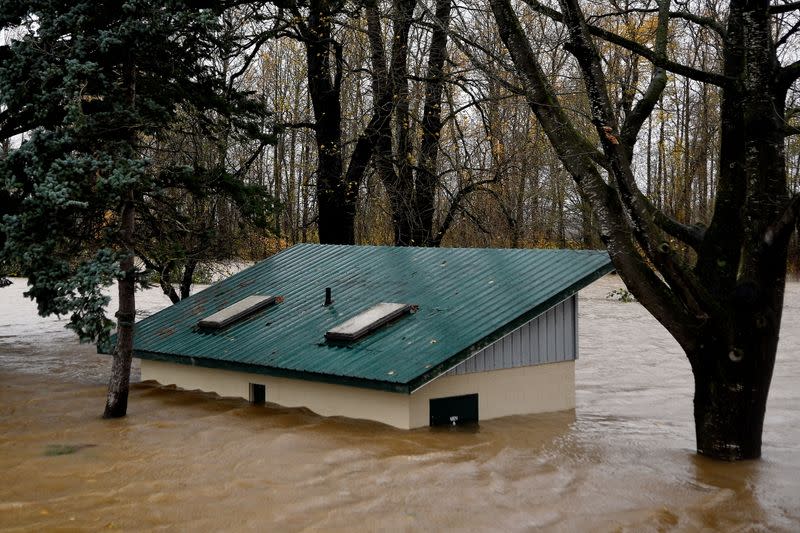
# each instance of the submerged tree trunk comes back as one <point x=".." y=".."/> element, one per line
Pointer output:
<point x="729" y="415"/>
<point x="119" y="383"/>
<point x="742" y="259"/>
<point x="732" y="379"/>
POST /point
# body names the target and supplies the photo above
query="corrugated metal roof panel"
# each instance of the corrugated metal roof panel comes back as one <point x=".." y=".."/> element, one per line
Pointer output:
<point x="466" y="297"/>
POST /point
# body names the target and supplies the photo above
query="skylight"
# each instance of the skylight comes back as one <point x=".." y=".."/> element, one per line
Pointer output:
<point x="241" y="309"/>
<point x="368" y="321"/>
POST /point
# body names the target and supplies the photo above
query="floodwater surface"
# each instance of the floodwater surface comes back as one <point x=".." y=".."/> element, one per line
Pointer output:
<point x="623" y="460"/>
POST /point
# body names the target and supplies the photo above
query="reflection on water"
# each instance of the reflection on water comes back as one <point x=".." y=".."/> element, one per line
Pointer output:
<point x="623" y="460"/>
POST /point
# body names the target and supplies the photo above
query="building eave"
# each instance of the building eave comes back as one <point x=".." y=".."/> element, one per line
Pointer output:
<point x="402" y="388"/>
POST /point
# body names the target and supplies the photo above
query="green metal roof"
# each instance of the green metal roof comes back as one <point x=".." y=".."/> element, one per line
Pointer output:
<point x="467" y="299"/>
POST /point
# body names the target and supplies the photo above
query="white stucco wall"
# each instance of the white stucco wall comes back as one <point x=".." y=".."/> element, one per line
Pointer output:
<point x="322" y="398"/>
<point x="513" y="391"/>
<point x="525" y="390"/>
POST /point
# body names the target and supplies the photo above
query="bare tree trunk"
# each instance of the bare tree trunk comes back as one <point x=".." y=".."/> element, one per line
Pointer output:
<point x="165" y="282"/>
<point x="188" y="278"/>
<point x="304" y="222"/>
<point x="411" y="191"/>
<point x="427" y="175"/>
<point x="390" y="87"/>
<point x="119" y="383"/>
<point x="277" y="173"/>
<point x="336" y="199"/>
<point x="292" y="189"/>
<point x="337" y="188"/>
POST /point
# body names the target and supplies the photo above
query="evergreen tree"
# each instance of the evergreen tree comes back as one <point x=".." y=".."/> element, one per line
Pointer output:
<point x="87" y="82"/>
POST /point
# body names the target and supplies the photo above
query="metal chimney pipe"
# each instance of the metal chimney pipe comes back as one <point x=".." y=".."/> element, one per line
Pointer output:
<point x="328" y="300"/>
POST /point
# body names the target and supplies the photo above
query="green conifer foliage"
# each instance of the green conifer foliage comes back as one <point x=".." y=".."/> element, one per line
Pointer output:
<point x="83" y="84"/>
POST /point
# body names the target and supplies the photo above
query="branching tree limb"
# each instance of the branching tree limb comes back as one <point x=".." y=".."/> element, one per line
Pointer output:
<point x="639" y="49"/>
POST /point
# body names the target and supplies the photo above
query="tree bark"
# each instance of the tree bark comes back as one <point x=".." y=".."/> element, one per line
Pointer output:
<point x="337" y="187"/>
<point x="732" y="377"/>
<point x="411" y="187"/>
<point x="390" y="87"/>
<point x="743" y="258"/>
<point x="336" y="198"/>
<point x="119" y="383"/>
<point x="166" y="286"/>
<point x="427" y="177"/>
<point x="729" y="409"/>
<point x="188" y="278"/>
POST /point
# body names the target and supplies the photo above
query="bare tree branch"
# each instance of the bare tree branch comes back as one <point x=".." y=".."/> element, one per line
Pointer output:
<point x="642" y="213"/>
<point x="706" y="22"/>
<point x="790" y="73"/>
<point x="639" y="49"/>
<point x="782" y="229"/>
<point x="784" y="8"/>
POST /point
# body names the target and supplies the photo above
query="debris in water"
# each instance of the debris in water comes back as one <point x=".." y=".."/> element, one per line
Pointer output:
<point x="621" y="295"/>
<point x="65" y="449"/>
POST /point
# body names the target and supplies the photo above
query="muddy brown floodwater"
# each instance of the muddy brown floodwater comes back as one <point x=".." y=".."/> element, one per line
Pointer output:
<point x="623" y="460"/>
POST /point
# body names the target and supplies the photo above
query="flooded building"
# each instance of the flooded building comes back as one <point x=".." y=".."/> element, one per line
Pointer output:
<point x="404" y="336"/>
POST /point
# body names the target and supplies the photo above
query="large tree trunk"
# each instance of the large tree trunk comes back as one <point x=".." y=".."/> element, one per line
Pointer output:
<point x="725" y="309"/>
<point x="336" y="198"/>
<point x="427" y="177"/>
<point x="742" y="262"/>
<point x="390" y="87"/>
<point x="732" y="379"/>
<point x="119" y="383"/>
<point x="411" y="191"/>
<point x="729" y="414"/>
<point x="188" y="278"/>
<point x="337" y="188"/>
